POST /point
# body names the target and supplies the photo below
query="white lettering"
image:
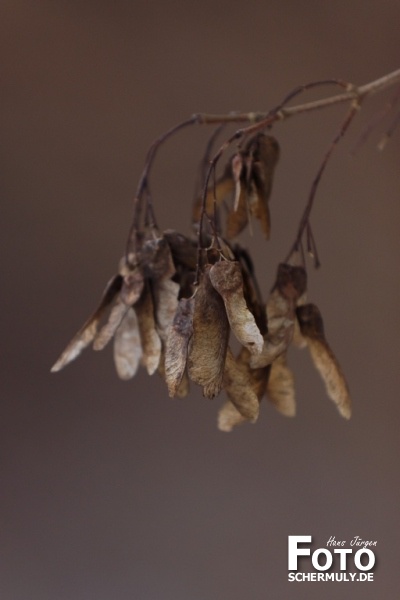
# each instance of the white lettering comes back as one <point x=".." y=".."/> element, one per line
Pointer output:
<point x="294" y="551"/>
<point x="315" y="561"/>
<point x="371" y="561"/>
<point x="343" y="559"/>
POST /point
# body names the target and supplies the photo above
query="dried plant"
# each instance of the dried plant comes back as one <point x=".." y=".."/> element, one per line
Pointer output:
<point x="176" y="299"/>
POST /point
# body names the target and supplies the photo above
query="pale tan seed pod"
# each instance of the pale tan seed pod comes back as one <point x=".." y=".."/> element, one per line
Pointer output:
<point x="238" y="388"/>
<point x="151" y="342"/>
<point x="312" y="328"/>
<point x="209" y="342"/>
<point x="280" y="387"/>
<point x="127" y="346"/>
<point x="108" y="330"/>
<point x="166" y="302"/>
<point x="88" y="332"/>
<point x="258" y="377"/>
<point x="176" y="351"/>
<point x="229" y="417"/>
<point x="226" y="277"/>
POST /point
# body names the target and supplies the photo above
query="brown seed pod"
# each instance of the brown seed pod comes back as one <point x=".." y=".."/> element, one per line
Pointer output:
<point x="209" y="342"/>
<point x="127" y="346"/>
<point x="183" y="249"/>
<point x="226" y="277"/>
<point x="312" y="329"/>
<point x="88" y="332"/>
<point x="157" y="259"/>
<point x="151" y="342"/>
<point x="289" y="287"/>
<point x="133" y="282"/>
<point x="176" y="351"/>
<point x="238" y="388"/>
<point x="280" y="387"/>
<point x="238" y="217"/>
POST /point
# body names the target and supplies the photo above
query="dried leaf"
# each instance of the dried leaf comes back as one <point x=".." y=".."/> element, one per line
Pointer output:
<point x="151" y="342"/>
<point x="280" y="387"/>
<point x="127" y="346"/>
<point x="265" y="154"/>
<point x="226" y="277"/>
<point x="223" y="188"/>
<point x="108" y="330"/>
<point x="312" y="328"/>
<point x="88" y="332"/>
<point x="209" y="342"/>
<point x="177" y="345"/>
<point x="237" y="385"/>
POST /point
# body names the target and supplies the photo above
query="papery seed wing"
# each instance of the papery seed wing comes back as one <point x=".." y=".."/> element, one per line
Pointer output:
<point x="280" y="387"/>
<point x="258" y="377"/>
<point x="237" y="386"/>
<point x="108" y="330"/>
<point x="226" y="277"/>
<point x="127" y="346"/>
<point x="229" y="417"/>
<point x="238" y="219"/>
<point x="209" y="342"/>
<point x="312" y="329"/>
<point x="88" y="332"/>
<point x="151" y="342"/>
<point x="177" y="345"/>
<point x="166" y="302"/>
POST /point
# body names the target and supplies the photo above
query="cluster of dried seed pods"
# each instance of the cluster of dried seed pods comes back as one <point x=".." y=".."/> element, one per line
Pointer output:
<point x="175" y="307"/>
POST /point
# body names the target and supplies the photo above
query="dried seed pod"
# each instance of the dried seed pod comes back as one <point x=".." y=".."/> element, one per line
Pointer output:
<point x="289" y="287"/>
<point x="183" y="249"/>
<point x="88" y="332"/>
<point x="157" y="259"/>
<point x="239" y="217"/>
<point x="258" y="377"/>
<point x="127" y="346"/>
<point x="312" y="328"/>
<point x="166" y="300"/>
<point x="229" y="417"/>
<point x="151" y="342"/>
<point x="226" y="277"/>
<point x="133" y="282"/>
<point x="280" y="387"/>
<point x="238" y="388"/>
<point x="209" y="342"/>
<point x="176" y="351"/>
<point x="108" y="330"/>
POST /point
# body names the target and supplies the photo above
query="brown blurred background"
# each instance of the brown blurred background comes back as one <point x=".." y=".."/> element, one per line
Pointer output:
<point x="110" y="489"/>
